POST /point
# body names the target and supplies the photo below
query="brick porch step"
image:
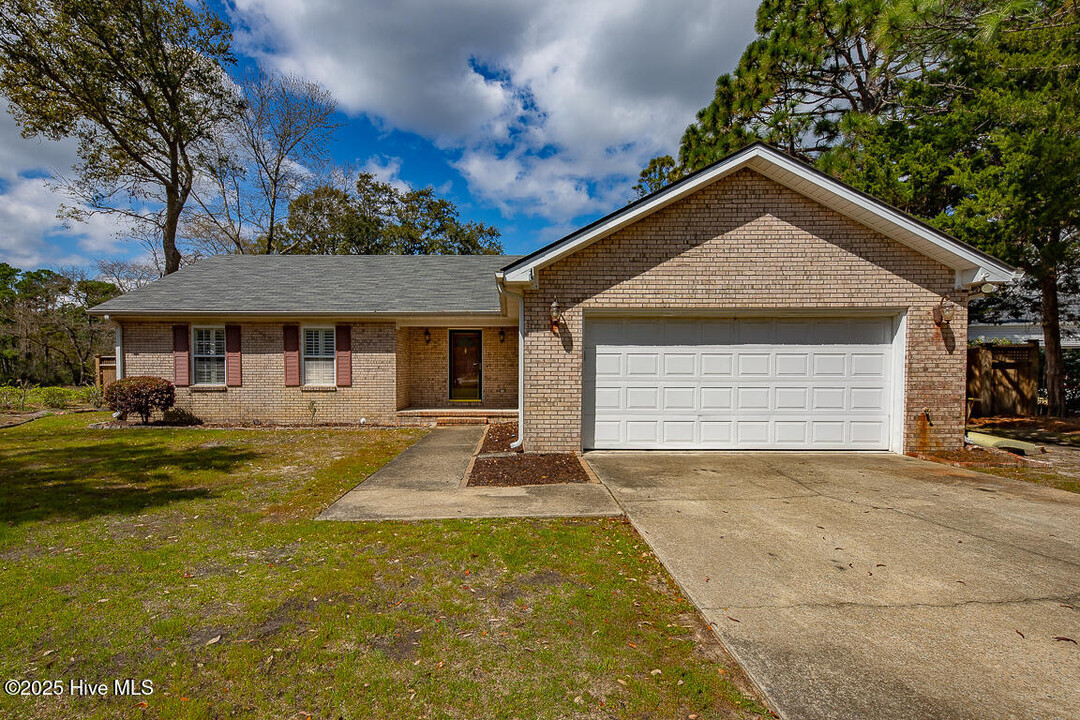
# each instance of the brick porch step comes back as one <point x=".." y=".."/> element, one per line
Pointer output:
<point x="459" y="416"/>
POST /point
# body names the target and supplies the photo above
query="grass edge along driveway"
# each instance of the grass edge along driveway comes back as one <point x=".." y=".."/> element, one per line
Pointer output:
<point x="190" y="558"/>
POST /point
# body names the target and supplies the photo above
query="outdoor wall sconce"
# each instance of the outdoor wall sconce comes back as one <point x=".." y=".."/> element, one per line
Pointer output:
<point x="945" y="311"/>
<point x="556" y="316"/>
<point x="427" y="336"/>
<point x="502" y="335"/>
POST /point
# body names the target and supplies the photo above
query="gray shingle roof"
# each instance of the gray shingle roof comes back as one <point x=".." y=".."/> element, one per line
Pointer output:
<point x="321" y="285"/>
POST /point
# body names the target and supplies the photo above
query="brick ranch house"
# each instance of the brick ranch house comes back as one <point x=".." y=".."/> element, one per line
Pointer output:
<point x="756" y="304"/>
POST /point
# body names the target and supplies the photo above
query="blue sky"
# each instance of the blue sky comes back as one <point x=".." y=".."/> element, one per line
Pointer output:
<point x="532" y="116"/>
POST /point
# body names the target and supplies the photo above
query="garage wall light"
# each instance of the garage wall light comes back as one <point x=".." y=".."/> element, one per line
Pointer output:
<point x="944" y="311"/>
<point x="556" y="316"/>
<point x="427" y="336"/>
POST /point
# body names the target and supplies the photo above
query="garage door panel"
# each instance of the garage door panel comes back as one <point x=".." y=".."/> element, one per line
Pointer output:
<point x="752" y="398"/>
<point x="608" y="398"/>
<point x="642" y="431"/>
<point x="680" y="398"/>
<point x="716" y="433"/>
<point x="609" y="364"/>
<point x="828" y="398"/>
<point x="868" y="398"/>
<point x="827" y="433"/>
<point x="642" y="398"/>
<point x="791" y="432"/>
<point x="717" y="364"/>
<point x="738" y="384"/>
<point x="830" y="364"/>
<point x="793" y="398"/>
<point x="716" y="398"/>
<point x="642" y="364"/>
<point x="748" y="432"/>
<point x="679" y="364"/>
<point x="792" y="364"/>
<point x="867" y="432"/>
<point x="679" y="431"/>
<point x="754" y="364"/>
<point x="608" y="432"/>
<point x="868" y="364"/>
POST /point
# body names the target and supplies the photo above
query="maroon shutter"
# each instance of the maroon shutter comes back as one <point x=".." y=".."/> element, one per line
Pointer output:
<point x="291" y="337"/>
<point x="234" y="364"/>
<point x="181" y="354"/>
<point x="343" y="355"/>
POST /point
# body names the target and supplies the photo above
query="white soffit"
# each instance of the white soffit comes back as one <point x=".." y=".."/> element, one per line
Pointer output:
<point x="968" y="262"/>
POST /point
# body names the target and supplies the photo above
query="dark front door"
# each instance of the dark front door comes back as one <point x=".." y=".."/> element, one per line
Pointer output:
<point x="466" y="374"/>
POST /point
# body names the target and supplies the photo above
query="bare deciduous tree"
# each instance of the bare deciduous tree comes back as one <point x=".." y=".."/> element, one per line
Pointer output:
<point x="270" y="154"/>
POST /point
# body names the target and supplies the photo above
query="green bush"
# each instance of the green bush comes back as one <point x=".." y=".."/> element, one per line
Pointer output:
<point x="54" y="397"/>
<point x="142" y="394"/>
<point x="92" y="395"/>
<point x="10" y="397"/>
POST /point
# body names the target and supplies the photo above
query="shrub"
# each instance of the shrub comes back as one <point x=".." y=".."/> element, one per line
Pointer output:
<point x="10" y="397"/>
<point x="92" y="395"/>
<point x="54" y="397"/>
<point x="180" y="416"/>
<point x="142" y="394"/>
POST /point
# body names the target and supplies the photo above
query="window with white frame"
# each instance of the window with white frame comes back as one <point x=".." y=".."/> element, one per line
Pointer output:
<point x="319" y="366"/>
<point x="208" y="358"/>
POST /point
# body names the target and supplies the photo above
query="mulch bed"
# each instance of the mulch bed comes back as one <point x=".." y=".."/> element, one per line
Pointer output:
<point x="527" y="469"/>
<point x="498" y="438"/>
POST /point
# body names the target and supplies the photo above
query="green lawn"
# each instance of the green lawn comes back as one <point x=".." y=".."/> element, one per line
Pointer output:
<point x="190" y="558"/>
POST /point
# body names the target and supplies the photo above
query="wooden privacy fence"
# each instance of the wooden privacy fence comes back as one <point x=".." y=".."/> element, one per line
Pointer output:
<point x="1003" y="379"/>
<point x="104" y="369"/>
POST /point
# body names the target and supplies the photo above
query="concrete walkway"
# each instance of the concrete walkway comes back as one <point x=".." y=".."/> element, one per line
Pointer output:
<point x="425" y="483"/>
<point x="870" y="586"/>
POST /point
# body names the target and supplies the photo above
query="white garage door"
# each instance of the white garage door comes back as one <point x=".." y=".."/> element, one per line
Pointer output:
<point x="782" y="383"/>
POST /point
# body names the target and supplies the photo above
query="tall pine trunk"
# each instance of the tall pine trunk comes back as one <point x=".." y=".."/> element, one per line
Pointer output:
<point x="1055" y="376"/>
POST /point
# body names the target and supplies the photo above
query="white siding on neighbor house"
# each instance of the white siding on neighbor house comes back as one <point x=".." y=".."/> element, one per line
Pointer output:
<point x="750" y="383"/>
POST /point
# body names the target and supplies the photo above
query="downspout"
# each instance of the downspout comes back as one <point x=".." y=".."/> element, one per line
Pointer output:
<point x="521" y="371"/>
<point x="119" y="358"/>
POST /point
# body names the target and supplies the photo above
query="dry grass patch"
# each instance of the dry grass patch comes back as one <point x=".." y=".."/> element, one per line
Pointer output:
<point x="191" y="558"/>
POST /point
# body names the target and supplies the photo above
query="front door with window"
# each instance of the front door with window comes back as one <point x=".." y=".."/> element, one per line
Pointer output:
<point x="466" y="370"/>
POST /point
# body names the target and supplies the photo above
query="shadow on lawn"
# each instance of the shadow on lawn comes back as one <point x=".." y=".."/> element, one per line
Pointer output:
<point x="108" y="476"/>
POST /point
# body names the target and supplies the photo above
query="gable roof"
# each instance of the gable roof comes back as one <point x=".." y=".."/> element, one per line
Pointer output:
<point x="306" y="285"/>
<point x="971" y="265"/>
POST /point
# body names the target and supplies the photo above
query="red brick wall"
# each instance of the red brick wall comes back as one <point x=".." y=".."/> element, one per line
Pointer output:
<point x="392" y="368"/>
<point x="263" y="396"/>
<point x="404" y="368"/>
<point x="744" y="243"/>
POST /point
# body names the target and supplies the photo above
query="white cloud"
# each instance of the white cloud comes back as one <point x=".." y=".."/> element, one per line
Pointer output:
<point x="31" y="235"/>
<point x="552" y="107"/>
<point x="387" y="170"/>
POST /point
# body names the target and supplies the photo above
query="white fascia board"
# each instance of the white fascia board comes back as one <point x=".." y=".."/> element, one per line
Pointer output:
<point x="795" y="175"/>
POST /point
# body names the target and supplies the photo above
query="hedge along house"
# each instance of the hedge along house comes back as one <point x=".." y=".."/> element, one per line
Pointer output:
<point x="756" y="304"/>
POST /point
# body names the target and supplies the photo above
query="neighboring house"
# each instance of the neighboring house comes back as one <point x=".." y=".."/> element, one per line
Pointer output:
<point x="756" y="304"/>
<point x="1025" y="329"/>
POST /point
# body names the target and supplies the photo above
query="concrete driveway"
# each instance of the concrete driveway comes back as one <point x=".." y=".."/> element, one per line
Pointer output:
<point x="863" y="586"/>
